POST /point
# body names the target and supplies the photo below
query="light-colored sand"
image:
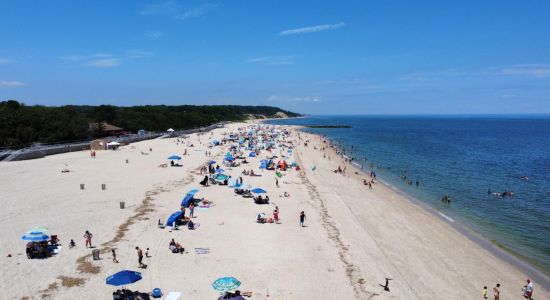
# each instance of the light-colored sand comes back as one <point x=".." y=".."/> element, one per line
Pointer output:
<point x="355" y="237"/>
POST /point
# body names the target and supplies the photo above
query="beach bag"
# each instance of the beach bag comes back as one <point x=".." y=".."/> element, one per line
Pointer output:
<point x="156" y="293"/>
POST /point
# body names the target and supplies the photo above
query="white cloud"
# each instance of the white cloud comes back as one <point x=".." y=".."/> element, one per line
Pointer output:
<point x="534" y="70"/>
<point x="312" y="29"/>
<point x="11" y="84"/>
<point x="106" y="60"/>
<point x="176" y="11"/>
<point x="154" y="35"/>
<point x="5" y="61"/>
<point x="272" y="60"/>
<point x="277" y="98"/>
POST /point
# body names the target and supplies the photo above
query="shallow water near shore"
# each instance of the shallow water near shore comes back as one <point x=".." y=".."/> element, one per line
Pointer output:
<point x="463" y="157"/>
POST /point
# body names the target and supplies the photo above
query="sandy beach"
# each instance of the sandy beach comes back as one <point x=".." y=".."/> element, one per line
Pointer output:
<point x="354" y="237"/>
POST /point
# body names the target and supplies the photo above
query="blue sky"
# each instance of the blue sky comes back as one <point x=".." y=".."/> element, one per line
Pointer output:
<point x="318" y="57"/>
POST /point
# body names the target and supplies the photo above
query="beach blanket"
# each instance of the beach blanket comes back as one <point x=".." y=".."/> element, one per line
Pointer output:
<point x="202" y="250"/>
<point x="173" y="296"/>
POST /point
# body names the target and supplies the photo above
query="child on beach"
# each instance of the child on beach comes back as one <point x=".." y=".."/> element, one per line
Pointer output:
<point x="276" y="215"/>
<point x="114" y="256"/>
<point x="484" y="293"/>
<point x="496" y="291"/>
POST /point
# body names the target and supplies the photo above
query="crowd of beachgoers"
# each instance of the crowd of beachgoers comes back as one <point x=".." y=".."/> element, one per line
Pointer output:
<point x="247" y="211"/>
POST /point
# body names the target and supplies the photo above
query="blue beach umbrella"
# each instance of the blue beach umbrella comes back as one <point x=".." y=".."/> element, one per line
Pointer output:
<point x="211" y="162"/>
<point x="35" y="236"/>
<point x="188" y="197"/>
<point x="173" y="217"/>
<point x="225" y="284"/>
<point x="258" y="191"/>
<point x="123" y="278"/>
<point x="174" y="157"/>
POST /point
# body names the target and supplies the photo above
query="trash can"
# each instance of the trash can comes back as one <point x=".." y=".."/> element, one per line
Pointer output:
<point x="82" y="186"/>
<point x="95" y="254"/>
<point x="122" y="204"/>
<point x="103" y="186"/>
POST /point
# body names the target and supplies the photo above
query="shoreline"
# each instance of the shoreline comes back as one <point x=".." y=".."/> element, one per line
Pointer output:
<point x="354" y="237"/>
<point x="499" y="251"/>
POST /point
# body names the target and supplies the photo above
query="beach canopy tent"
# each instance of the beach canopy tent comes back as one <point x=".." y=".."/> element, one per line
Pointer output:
<point x="188" y="197"/>
<point x="226" y="284"/>
<point x="258" y="191"/>
<point x="173" y="217"/>
<point x="124" y="277"/>
<point x="35" y="236"/>
<point x="170" y="130"/>
<point x="174" y="157"/>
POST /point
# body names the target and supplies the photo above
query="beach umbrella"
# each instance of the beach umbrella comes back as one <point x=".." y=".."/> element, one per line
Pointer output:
<point x="244" y="186"/>
<point x="188" y="197"/>
<point x="211" y="162"/>
<point x="258" y="191"/>
<point x="113" y="144"/>
<point x="170" y="130"/>
<point x="174" y="157"/>
<point x="123" y="278"/>
<point x="39" y="229"/>
<point x="35" y="236"/>
<point x="225" y="284"/>
<point x="173" y="217"/>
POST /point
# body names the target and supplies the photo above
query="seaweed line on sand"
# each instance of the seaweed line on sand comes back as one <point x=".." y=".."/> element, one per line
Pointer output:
<point x="352" y="271"/>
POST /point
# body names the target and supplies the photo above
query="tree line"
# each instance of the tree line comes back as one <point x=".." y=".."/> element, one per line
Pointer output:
<point x="22" y="125"/>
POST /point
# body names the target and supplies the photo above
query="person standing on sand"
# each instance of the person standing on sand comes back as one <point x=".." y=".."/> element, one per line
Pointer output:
<point x="140" y="257"/>
<point x="302" y="218"/>
<point x="88" y="239"/>
<point x="277" y="181"/>
<point x="496" y="291"/>
<point x="484" y="293"/>
<point x="114" y="256"/>
<point x="191" y="209"/>
<point x="276" y="215"/>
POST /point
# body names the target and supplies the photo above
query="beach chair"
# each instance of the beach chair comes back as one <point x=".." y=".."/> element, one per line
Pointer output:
<point x="54" y="240"/>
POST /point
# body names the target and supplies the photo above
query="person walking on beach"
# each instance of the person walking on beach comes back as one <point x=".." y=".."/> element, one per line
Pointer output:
<point x="302" y="218"/>
<point x="88" y="239"/>
<point x="114" y="256"/>
<point x="140" y="257"/>
<point x="496" y="291"/>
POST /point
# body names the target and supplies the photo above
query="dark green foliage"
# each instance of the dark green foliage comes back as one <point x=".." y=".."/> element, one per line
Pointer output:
<point x="21" y="125"/>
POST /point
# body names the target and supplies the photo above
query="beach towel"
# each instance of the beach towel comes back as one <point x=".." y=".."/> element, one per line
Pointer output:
<point x="173" y="296"/>
<point x="202" y="250"/>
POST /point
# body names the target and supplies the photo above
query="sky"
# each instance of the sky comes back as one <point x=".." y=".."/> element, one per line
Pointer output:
<point x="313" y="57"/>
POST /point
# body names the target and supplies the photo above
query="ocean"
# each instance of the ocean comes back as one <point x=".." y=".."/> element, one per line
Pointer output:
<point x="463" y="157"/>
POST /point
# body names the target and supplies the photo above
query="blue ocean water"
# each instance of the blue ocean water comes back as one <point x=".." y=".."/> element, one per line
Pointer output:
<point x="462" y="157"/>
